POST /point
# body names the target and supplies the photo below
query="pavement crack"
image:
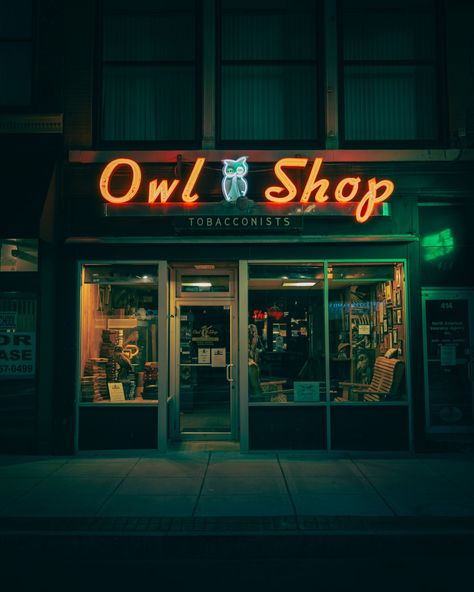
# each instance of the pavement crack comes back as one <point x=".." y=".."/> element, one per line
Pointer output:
<point x="381" y="496"/>
<point x="290" y="497"/>
<point x="198" y="497"/>
<point x="112" y="493"/>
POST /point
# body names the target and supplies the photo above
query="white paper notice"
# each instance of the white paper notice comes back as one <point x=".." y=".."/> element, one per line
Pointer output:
<point x="116" y="391"/>
<point x="448" y="355"/>
<point x="204" y="355"/>
<point x="306" y="391"/>
<point x="218" y="357"/>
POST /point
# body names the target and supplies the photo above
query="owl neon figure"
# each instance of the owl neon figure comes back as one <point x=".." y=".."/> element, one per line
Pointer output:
<point x="234" y="184"/>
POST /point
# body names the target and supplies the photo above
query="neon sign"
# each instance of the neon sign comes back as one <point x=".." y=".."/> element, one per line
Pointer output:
<point x="234" y="184"/>
<point x="366" y="196"/>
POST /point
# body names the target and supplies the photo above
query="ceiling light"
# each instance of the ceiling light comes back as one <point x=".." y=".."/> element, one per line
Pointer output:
<point x="197" y="284"/>
<point x="298" y="284"/>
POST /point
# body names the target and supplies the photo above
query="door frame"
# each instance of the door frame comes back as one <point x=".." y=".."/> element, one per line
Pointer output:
<point x="202" y="299"/>
<point x="428" y="294"/>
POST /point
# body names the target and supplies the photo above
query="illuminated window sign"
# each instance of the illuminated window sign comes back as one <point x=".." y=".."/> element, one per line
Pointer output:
<point x="317" y="190"/>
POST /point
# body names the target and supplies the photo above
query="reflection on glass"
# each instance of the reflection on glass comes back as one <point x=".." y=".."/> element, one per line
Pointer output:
<point x="367" y="332"/>
<point x="286" y="333"/>
<point x="205" y="369"/>
<point x="119" y="313"/>
<point x="18" y="254"/>
<point x="205" y="283"/>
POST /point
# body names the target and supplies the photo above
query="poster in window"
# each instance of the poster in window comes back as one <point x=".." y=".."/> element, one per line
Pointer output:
<point x="17" y="355"/>
<point x="306" y="391"/>
<point x="116" y="391"/>
<point x="218" y="357"/>
<point x="204" y="355"/>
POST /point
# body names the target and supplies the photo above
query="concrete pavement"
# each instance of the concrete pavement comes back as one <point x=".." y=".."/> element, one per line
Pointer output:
<point x="217" y="485"/>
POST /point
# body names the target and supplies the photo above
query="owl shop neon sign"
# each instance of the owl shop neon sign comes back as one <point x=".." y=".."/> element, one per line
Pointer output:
<point x="234" y="185"/>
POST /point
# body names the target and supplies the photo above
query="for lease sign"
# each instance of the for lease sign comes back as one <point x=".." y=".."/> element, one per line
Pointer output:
<point x="17" y="355"/>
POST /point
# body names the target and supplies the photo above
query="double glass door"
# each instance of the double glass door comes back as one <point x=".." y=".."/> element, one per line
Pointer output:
<point x="205" y="369"/>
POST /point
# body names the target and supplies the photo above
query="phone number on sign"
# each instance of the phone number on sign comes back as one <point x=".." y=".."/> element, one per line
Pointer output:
<point x="16" y="369"/>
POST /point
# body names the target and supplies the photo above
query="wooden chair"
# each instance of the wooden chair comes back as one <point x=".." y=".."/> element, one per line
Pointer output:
<point x="387" y="376"/>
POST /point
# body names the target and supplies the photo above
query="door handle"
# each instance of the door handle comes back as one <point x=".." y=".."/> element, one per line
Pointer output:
<point x="228" y="372"/>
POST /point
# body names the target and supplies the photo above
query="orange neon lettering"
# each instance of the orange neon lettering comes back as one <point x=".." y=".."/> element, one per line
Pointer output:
<point x="311" y="184"/>
<point x="162" y="190"/>
<point x="365" y="208"/>
<point x="187" y="196"/>
<point x="339" y="192"/>
<point x="273" y="193"/>
<point x="108" y="172"/>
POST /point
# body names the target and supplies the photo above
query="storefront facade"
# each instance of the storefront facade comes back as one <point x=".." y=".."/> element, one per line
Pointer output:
<point x="251" y="223"/>
<point x="275" y="325"/>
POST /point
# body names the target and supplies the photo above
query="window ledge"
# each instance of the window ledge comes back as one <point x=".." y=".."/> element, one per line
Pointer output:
<point x="31" y="124"/>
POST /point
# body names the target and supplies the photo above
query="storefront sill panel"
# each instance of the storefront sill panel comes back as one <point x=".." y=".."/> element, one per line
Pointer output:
<point x="107" y="404"/>
<point x="288" y="404"/>
<point x="369" y="404"/>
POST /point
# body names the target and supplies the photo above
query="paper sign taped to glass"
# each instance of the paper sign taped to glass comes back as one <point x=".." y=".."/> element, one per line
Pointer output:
<point x="306" y="391"/>
<point x="218" y="357"/>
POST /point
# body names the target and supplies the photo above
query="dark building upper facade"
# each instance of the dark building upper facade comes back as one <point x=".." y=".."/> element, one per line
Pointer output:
<point x="370" y="90"/>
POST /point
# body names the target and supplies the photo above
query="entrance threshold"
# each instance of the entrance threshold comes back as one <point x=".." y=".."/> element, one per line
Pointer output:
<point x="204" y="446"/>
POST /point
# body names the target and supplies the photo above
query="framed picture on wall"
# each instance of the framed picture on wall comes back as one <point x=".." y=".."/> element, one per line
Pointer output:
<point x="398" y="316"/>
<point x="395" y="336"/>
<point x="398" y="298"/>
<point x="398" y="276"/>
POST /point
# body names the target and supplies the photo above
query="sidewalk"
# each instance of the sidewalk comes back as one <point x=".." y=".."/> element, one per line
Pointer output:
<point x="256" y="521"/>
<point x="230" y="485"/>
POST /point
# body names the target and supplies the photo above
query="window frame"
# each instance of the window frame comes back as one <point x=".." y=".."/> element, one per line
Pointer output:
<point x="32" y="42"/>
<point x="439" y="63"/>
<point x="98" y="139"/>
<point x="319" y="141"/>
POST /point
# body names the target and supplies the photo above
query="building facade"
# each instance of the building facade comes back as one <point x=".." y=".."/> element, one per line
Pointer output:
<point x="247" y="223"/>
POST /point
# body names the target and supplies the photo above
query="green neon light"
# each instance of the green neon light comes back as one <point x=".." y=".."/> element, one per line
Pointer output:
<point x="234" y="184"/>
<point x="438" y="245"/>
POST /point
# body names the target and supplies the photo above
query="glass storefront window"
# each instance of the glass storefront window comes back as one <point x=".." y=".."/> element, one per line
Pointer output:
<point x="119" y="334"/>
<point x="365" y="312"/>
<point x="18" y="254"/>
<point x="286" y="333"/>
<point x="367" y="335"/>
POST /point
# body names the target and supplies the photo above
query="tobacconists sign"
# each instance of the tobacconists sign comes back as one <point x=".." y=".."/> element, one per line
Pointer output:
<point x="277" y="207"/>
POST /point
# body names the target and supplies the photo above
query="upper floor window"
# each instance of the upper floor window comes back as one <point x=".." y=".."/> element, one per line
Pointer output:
<point x="149" y="81"/>
<point x="16" y="40"/>
<point x="269" y="71"/>
<point x="389" y="71"/>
